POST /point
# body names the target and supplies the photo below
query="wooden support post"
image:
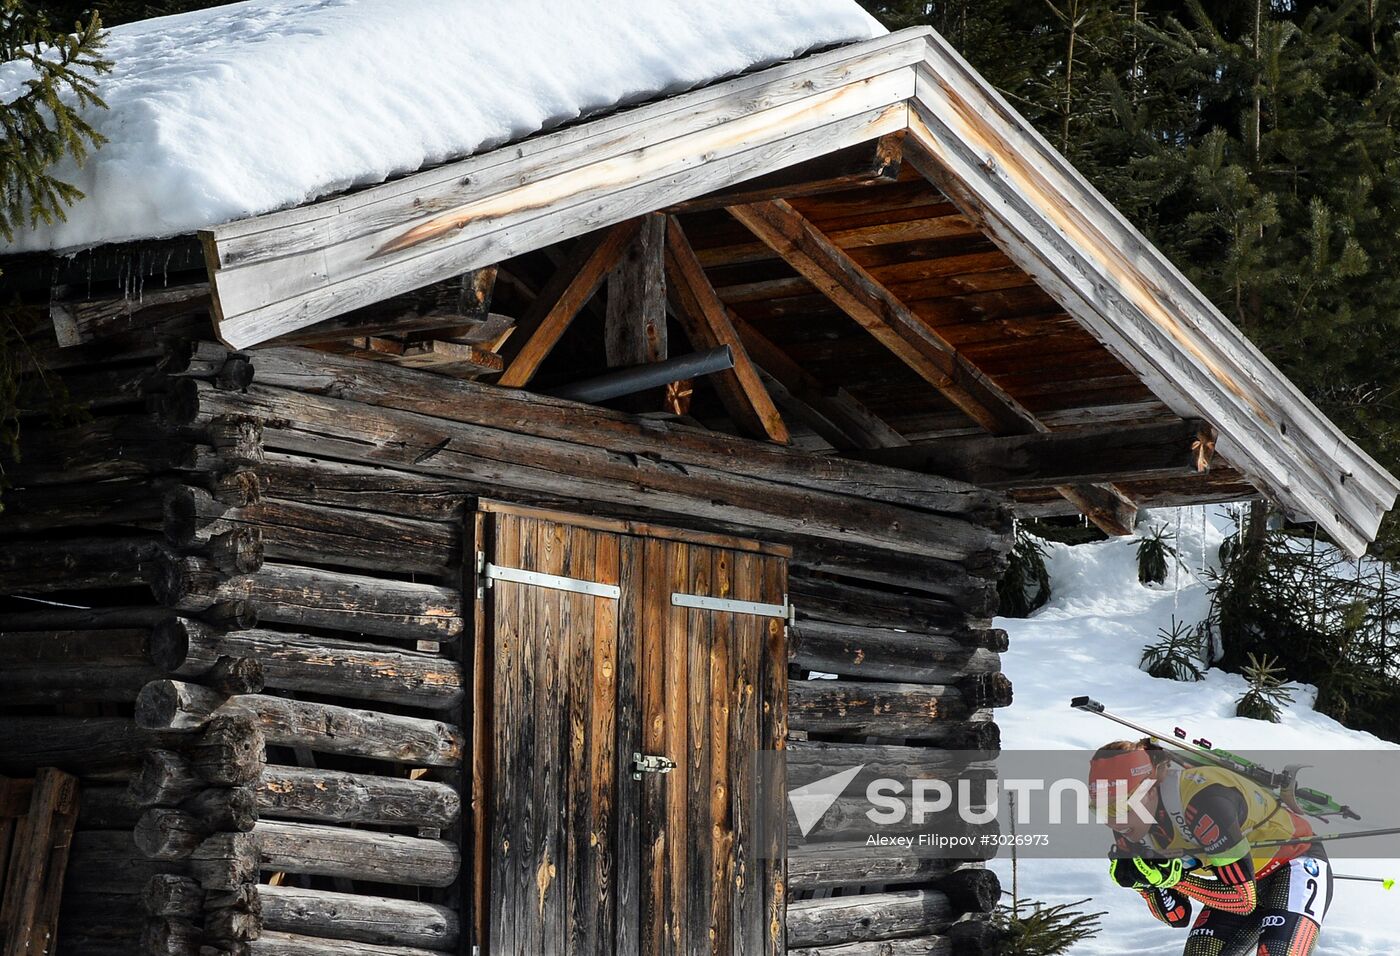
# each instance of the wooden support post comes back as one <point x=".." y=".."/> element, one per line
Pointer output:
<point x="702" y="314"/>
<point x="635" y="329"/>
<point x="573" y="285"/>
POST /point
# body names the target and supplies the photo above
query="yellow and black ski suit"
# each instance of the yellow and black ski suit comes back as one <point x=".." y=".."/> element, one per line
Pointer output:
<point x="1258" y="901"/>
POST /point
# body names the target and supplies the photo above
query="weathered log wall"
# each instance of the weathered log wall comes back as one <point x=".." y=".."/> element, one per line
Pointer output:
<point x="262" y="684"/>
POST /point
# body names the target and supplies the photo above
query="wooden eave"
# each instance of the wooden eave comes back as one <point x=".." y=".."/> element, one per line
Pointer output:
<point x="1153" y="339"/>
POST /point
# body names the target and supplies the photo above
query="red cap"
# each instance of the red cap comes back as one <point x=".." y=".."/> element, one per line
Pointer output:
<point x="1128" y="766"/>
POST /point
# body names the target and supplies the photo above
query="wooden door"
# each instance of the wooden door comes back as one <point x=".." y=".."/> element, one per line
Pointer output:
<point x="600" y="641"/>
<point x="714" y="693"/>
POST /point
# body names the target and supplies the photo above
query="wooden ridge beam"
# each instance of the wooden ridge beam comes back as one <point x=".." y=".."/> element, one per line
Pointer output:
<point x="708" y="325"/>
<point x="560" y="300"/>
<point x="869" y="164"/>
<point x="1132" y="453"/>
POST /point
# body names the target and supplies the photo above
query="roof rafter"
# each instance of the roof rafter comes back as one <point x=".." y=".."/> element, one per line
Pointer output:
<point x="560" y="300"/>
<point x="707" y="324"/>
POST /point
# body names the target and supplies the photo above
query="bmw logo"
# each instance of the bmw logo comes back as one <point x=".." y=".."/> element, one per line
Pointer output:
<point x="1311" y="866"/>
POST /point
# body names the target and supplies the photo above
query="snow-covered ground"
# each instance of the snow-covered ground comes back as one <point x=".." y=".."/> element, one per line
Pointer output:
<point x="1088" y="640"/>
<point x="241" y="109"/>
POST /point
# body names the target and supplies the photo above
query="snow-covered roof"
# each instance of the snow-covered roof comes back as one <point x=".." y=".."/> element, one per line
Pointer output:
<point x="238" y="110"/>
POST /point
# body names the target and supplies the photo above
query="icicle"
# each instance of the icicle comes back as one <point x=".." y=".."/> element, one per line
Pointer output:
<point x="1203" y="541"/>
<point x="1176" y="567"/>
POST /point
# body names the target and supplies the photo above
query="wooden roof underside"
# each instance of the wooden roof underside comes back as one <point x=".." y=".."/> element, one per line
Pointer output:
<point x="979" y="287"/>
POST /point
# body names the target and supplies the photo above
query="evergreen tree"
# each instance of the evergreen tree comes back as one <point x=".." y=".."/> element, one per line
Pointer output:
<point x="39" y="125"/>
<point x="44" y="122"/>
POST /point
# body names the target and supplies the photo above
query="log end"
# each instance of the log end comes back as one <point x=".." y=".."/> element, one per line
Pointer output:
<point x="170" y="643"/>
<point x="986" y="690"/>
<point x="971" y="889"/>
<point x="158" y="705"/>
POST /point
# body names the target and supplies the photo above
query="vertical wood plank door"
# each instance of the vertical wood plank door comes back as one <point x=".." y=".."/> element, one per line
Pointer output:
<point x="552" y="843"/>
<point x="714" y="695"/>
<point x="581" y="858"/>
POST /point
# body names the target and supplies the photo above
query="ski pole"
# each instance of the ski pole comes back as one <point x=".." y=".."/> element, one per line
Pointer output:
<point x="1324" y="837"/>
<point x="1383" y="881"/>
<point x="1191" y="863"/>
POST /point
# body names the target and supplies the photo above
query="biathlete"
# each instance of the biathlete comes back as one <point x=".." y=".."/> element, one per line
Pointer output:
<point x="1256" y="900"/>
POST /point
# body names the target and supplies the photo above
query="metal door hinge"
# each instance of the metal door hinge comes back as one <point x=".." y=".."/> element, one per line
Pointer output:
<point x="495" y="572"/>
<point x="703" y="603"/>
<point x="649" y="763"/>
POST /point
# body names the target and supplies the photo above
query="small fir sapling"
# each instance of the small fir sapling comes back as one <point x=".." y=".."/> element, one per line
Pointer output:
<point x="1178" y="654"/>
<point x="1025" y="585"/>
<point x="1154" y="553"/>
<point x="1267" y="695"/>
<point x="1034" y="929"/>
<point x="1029" y="927"/>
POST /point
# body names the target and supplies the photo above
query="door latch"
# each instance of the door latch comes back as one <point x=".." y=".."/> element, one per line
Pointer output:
<point x="649" y="763"/>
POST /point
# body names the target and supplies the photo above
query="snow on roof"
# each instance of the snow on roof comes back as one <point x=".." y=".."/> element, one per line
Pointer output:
<point x="238" y="110"/>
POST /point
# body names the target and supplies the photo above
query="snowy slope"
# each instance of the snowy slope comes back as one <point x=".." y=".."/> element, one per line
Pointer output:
<point x="1093" y="632"/>
<point x="237" y="110"/>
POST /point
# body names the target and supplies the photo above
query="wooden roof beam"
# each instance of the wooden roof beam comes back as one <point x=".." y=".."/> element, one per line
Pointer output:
<point x="1112" y="510"/>
<point x="1121" y="454"/>
<point x="861" y="296"/>
<point x="593" y="257"/>
<point x="706" y="322"/>
<point x="868" y="164"/>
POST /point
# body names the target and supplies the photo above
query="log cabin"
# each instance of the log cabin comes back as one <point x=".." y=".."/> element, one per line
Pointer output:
<point x="419" y="569"/>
